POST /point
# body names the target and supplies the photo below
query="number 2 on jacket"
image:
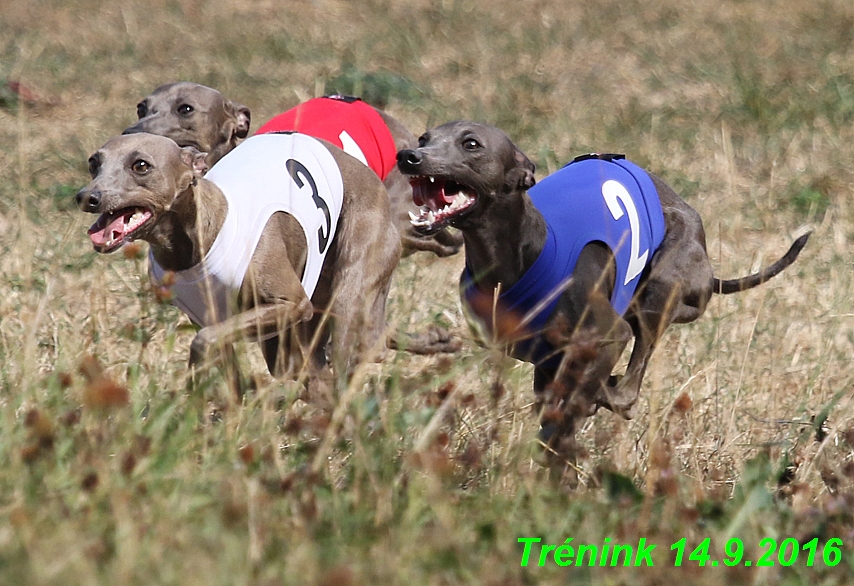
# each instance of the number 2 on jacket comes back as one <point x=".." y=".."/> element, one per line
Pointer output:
<point x="614" y="192"/>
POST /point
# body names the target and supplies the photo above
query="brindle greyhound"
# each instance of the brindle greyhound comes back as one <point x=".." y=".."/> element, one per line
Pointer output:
<point x="147" y="187"/>
<point x="474" y="178"/>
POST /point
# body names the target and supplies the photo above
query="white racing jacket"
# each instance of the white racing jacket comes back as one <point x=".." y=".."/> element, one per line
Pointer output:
<point x="268" y="173"/>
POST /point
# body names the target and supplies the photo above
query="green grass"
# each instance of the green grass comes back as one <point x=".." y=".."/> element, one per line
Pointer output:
<point x="745" y="423"/>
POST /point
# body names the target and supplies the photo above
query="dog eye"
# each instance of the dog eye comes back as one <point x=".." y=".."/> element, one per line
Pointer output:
<point x="185" y="109"/>
<point x="93" y="166"/>
<point x="140" y="167"/>
<point x="422" y="140"/>
<point x="141" y="110"/>
<point x="471" y="144"/>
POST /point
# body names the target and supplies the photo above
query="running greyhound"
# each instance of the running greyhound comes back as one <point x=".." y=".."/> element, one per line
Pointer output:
<point x="566" y="274"/>
<point x="286" y="231"/>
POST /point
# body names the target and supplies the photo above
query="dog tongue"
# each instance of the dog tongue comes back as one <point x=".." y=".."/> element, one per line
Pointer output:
<point x="115" y="227"/>
<point x="425" y="191"/>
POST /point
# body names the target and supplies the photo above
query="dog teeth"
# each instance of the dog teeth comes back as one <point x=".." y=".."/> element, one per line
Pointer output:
<point x="428" y="217"/>
<point x="432" y="180"/>
<point x="134" y="219"/>
<point x="458" y="201"/>
<point x="424" y="218"/>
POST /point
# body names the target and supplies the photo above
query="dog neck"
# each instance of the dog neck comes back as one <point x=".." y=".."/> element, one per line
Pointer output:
<point x="505" y="242"/>
<point x="219" y="150"/>
<point x="185" y="233"/>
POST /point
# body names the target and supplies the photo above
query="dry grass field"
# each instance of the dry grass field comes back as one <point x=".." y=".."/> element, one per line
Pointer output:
<point x="431" y="472"/>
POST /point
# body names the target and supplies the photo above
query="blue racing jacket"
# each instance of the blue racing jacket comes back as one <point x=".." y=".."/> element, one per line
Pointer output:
<point x="595" y="198"/>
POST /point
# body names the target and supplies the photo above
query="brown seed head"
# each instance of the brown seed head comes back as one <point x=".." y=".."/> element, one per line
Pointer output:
<point x="89" y="482"/>
<point x="40" y="425"/>
<point x="683" y="403"/>
<point x="90" y="368"/>
<point x="660" y="454"/>
<point x="507" y="323"/>
<point x="247" y="454"/>
<point x="162" y="294"/>
<point x="341" y="575"/>
<point x="65" y="379"/>
<point x="666" y="484"/>
<point x="445" y="390"/>
<point x="472" y="457"/>
<point x="105" y="393"/>
<point x="31" y="452"/>
<point x="128" y="463"/>
<point x="133" y="251"/>
<point x="168" y="279"/>
<point x="71" y="417"/>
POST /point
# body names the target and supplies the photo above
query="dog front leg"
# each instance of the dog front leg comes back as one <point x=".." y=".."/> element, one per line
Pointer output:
<point x="362" y="280"/>
<point x="259" y="323"/>
<point x="439" y="244"/>
<point x="358" y="328"/>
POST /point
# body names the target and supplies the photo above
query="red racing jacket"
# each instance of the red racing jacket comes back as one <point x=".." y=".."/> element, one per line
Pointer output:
<point x="346" y="122"/>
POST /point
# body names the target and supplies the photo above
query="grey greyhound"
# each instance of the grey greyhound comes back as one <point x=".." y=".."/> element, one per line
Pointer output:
<point x="336" y="258"/>
<point x="195" y="115"/>
<point x="641" y="266"/>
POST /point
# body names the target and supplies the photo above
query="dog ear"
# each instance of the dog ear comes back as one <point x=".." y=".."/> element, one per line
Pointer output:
<point x="524" y="171"/>
<point x="242" y="118"/>
<point x="195" y="161"/>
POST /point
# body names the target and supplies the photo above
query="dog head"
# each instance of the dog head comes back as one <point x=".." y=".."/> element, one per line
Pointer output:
<point x="460" y="170"/>
<point x="135" y="180"/>
<point x="193" y="115"/>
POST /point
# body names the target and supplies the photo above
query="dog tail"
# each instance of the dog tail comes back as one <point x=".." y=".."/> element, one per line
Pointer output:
<point x="728" y="286"/>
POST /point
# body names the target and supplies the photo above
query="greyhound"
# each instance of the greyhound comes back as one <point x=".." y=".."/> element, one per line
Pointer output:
<point x="194" y="115"/>
<point x="598" y="253"/>
<point x="198" y="116"/>
<point x="319" y="240"/>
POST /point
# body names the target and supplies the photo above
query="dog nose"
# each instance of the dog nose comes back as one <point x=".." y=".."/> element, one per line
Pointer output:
<point x="409" y="158"/>
<point x="88" y="201"/>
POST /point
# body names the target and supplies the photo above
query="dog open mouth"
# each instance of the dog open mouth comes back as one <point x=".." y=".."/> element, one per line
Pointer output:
<point x="115" y="228"/>
<point x="441" y="201"/>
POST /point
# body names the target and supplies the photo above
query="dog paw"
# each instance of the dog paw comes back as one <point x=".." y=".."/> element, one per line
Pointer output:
<point x="625" y="408"/>
<point x="619" y="396"/>
<point x="435" y="340"/>
<point x="198" y="350"/>
<point x="304" y="311"/>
